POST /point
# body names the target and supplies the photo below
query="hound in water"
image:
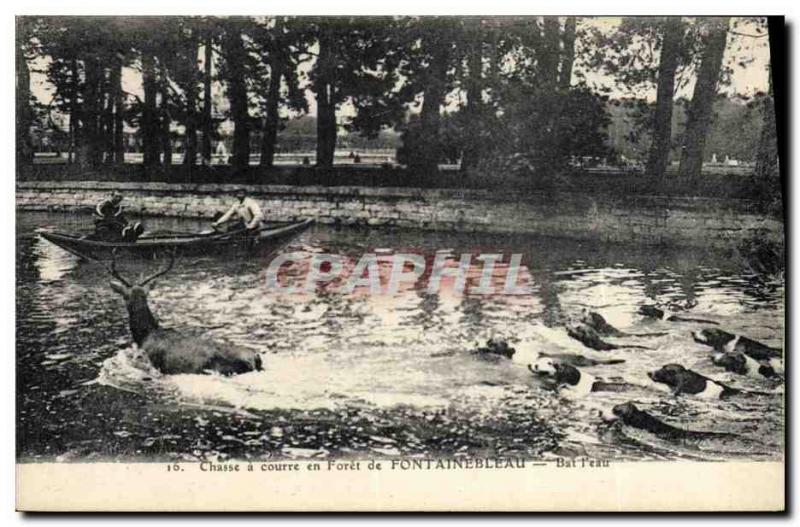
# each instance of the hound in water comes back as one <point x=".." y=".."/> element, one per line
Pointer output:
<point x="630" y="415"/>
<point x="685" y="381"/>
<point x="739" y="363"/>
<point x="602" y="327"/>
<point x="659" y="314"/>
<point x="579" y="383"/>
<point x="590" y="338"/>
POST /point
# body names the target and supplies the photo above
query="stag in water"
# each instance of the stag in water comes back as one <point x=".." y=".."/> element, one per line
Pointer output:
<point x="172" y="351"/>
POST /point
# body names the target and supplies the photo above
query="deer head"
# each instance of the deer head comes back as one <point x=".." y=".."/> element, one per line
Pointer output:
<point x="141" y="319"/>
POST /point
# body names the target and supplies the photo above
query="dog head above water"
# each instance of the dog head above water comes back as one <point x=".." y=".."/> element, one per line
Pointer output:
<point x="716" y="338"/>
<point x="669" y="374"/>
<point x="625" y="410"/>
<point x="496" y="347"/>
<point x="739" y="363"/>
<point x="651" y="311"/>
<point x="732" y="362"/>
<point x="558" y="371"/>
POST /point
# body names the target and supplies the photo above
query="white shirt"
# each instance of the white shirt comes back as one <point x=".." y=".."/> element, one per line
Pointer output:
<point x="248" y="210"/>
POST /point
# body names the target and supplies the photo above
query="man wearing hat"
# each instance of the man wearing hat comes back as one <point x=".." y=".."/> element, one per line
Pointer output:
<point x="111" y="225"/>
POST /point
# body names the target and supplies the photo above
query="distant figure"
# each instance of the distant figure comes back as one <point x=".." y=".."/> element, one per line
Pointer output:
<point x="221" y="153"/>
<point x="714" y="158"/>
<point x="306" y="160"/>
<point x="245" y="213"/>
<point x="357" y="159"/>
<point x="351" y="155"/>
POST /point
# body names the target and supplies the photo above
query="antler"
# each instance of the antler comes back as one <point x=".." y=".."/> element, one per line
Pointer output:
<point x="113" y="269"/>
<point x="162" y="272"/>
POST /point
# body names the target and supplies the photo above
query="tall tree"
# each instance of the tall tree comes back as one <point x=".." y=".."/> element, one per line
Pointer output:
<point x="90" y="153"/>
<point x="475" y="83"/>
<point x="149" y="126"/>
<point x="672" y="38"/>
<point x="24" y="117"/>
<point x="165" y="117"/>
<point x="269" y="133"/>
<point x="432" y="58"/>
<point x="705" y="91"/>
<point x="437" y="46"/>
<point x="568" y="53"/>
<point x="549" y="55"/>
<point x="357" y="61"/>
<point x="85" y="60"/>
<point x="235" y="73"/>
<point x="284" y="42"/>
<point x="324" y="87"/>
<point x="767" y="166"/>
<point x="190" y="83"/>
<point x="118" y="105"/>
<point x="206" y="120"/>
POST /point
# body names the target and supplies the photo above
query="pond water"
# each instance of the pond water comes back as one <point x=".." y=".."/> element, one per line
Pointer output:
<point x="359" y="375"/>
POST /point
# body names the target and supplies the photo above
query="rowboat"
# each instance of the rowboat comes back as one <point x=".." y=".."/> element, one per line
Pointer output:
<point x="150" y="245"/>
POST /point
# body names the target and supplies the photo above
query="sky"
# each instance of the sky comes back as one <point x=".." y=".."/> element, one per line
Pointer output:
<point x="745" y="81"/>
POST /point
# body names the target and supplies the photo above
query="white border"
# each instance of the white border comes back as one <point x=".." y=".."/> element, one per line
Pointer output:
<point x="585" y="7"/>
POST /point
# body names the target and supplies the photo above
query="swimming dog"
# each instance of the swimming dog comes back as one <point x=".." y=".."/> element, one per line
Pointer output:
<point x="574" y="359"/>
<point x="495" y="348"/>
<point x="739" y="363"/>
<point x="723" y="341"/>
<point x="632" y="416"/>
<point x="654" y="312"/>
<point x="602" y="327"/>
<point x="591" y="339"/>
<point x="683" y="380"/>
<point x="567" y="376"/>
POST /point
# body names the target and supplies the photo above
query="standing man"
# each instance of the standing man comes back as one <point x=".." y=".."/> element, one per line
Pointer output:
<point x="246" y="214"/>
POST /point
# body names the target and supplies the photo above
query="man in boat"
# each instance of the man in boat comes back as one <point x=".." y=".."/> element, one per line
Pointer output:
<point x="110" y="224"/>
<point x="245" y="213"/>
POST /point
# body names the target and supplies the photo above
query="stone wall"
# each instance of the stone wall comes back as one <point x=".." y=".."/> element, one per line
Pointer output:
<point x="632" y="219"/>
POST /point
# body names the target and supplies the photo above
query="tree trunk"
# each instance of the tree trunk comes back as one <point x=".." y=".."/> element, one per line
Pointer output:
<point x="471" y="154"/>
<point x="269" y="134"/>
<point x="568" y="56"/>
<point x="190" y="139"/>
<point x="701" y="107"/>
<point x="493" y="80"/>
<point x="165" y="122"/>
<point x="107" y="130"/>
<point x="548" y="154"/>
<point x="549" y="60"/>
<point x="24" y="112"/>
<point x="118" y="127"/>
<point x="149" y="128"/>
<point x="90" y="152"/>
<point x="429" y="152"/>
<point x="74" y="111"/>
<point x="237" y="95"/>
<point x="206" y="120"/>
<point x="767" y="165"/>
<point x="672" y="37"/>
<point x="326" y="101"/>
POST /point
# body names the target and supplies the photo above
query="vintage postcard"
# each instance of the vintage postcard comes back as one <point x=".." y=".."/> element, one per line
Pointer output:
<point x="400" y="263"/>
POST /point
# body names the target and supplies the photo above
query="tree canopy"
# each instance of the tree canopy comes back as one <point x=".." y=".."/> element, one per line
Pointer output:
<point x="488" y="93"/>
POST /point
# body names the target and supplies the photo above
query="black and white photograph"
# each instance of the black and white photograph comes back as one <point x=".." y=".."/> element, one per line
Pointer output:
<point x="406" y="244"/>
